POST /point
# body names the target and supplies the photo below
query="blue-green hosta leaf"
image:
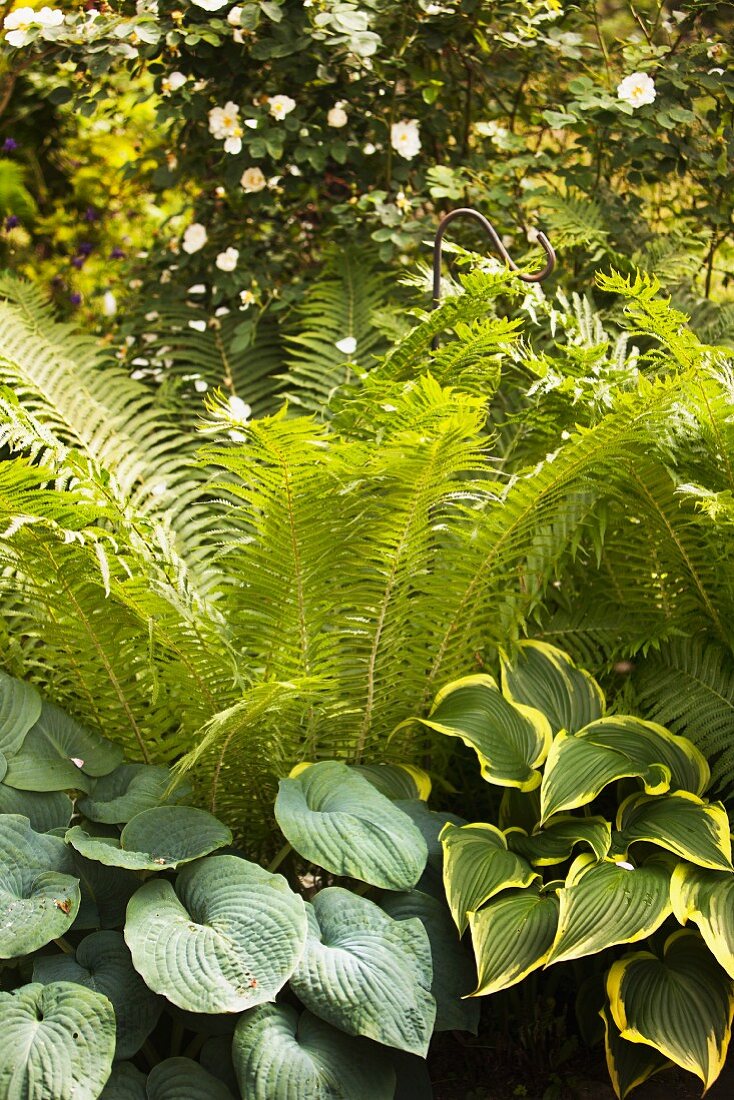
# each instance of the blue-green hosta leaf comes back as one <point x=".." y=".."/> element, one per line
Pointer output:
<point x="39" y="897"/>
<point x="510" y="740"/>
<point x="216" y="1057"/>
<point x="45" y="810"/>
<point x="604" y="903"/>
<point x="102" y="962"/>
<point x="430" y="823"/>
<point x="56" y="1041"/>
<point x="155" y="840"/>
<point x="228" y="937"/>
<point x="60" y="755"/>
<point x="125" y="1083"/>
<point x="682" y="823"/>
<point x="454" y="976"/>
<point x="176" y="1078"/>
<point x="3" y="767"/>
<point x="105" y="893"/>
<point x="279" y="1055"/>
<point x="580" y="765"/>
<point x="127" y="791"/>
<point x="546" y="678"/>
<point x="335" y="818"/>
<point x="707" y="898"/>
<point x="681" y="1004"/>
<point x="20" y="708"/>
<point x="478" y="865"/>
<point x="512" y="937"/>
<point x="555" y="842"/>
<point x="366" y="973"/>
<point x="396" y="781"/>
<point x="629" y="1064"/>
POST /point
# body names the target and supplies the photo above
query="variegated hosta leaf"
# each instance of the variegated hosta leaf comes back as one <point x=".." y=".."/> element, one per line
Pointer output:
<point x="430" y="823"/>
<point x="102" y="963"/>
<point x="366" y="973"/>
<point x="39" y="895"/>
<point x="546" y="678"/>
<point x="519" y="809"/>
<point x="707" y="898"/>
<point x="336" y="818"/>
<point x="396" y="781"/>
<point x="226" y="938"/>
<point x="58" y="754"/>
<point x="56" y="1041"/>
<point x="581" y="765"/>
<point x="176" y="1078"/>
<point x="512" y="937"/>
<point x="629" y="1064"/>
<point x="454" y="976"/>
<point x="127" y="791"/>
<point x="125" y="1083"/>
<point x="604" y="903"/>
<point x="45" y="810"/>
<point x="279" y="1055"/>
<point x="155" y="840"/>
<point x="681" y="1004"/>
<point x="511" y="740"/>
<point x="20" y="708"/>
<point x="477" y="865"/>
<point x="555" y="842"/>
<point x="681" y="822"/>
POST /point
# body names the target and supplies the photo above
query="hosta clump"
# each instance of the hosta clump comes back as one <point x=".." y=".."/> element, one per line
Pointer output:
<point x="128" y="919"/>
<point x="604" y="839"/>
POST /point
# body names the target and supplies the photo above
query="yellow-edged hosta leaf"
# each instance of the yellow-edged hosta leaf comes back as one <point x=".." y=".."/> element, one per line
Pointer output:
<point x="681" y="1004"/>
<point x="707" y="898"/>
<point x="604" y="903"/>
<point x="477" y="865"/>
<point x="512" y="937"/>
<point x="511" y="740"/>
<point x="519" y="809"/>
<point x="682" y="823"/>
<point x="629" y="1064"/>
<point x="581" y="765"/>
<point x="555" y="842"/>
<point x="546" y="678"/>
<point x="396" y="781"/>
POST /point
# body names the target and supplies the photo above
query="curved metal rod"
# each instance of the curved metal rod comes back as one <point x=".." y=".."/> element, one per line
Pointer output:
<point x="489" y="229"/>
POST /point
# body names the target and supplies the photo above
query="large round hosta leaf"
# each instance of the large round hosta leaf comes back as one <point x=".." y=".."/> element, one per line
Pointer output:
<point x="105" y="893"/>
<point x="707" y="898"/>
<point x="430" y="823"/>
<point x="580" y="765"/>
<point x="59" y="755"/>
<point x="681" y="823"/>
<point x="155" y="840"/>
<point x="366" y="973"/>
<point x="604" y="903"/>
<point x="336" y="818"/>
<point x="125" y="1083"/>
<point x="511" y="740"/>
<point x="45" y="810"/>
<point x="39" y="896"/>
<point x="56" y="1042"/>
<point x="396" y="781"/>
<point x="478" y="865"/>
<point x="512" y="937"/>
<point x="629" y="1064"/>
<point x="681" y="1004"/>
<point x="555" y="842"/>
<point x="20" y="708"/>
<point x="176" y="1078"/>
<point x="454" y="976"/>
<point x="102" y="962"/>
<point x="127" y="791"/>
<point x="226" y="938"/>
<point x="546" y="678"/>
<point x="279" y="1055"/>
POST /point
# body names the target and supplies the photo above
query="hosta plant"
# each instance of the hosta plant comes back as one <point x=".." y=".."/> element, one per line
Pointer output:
<point x="134" y="935"/>
<point x="603" y="839"/>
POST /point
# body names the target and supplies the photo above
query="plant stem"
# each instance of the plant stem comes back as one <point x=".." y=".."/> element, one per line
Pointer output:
<point x="282" y="854"/>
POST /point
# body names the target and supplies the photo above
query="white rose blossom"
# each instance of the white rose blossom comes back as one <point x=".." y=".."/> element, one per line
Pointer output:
<point x="247" y="298"/>
<point x="234" y="16"/>
<point x="224" y="125"/>
<point x="109" y="304"/>
<point x="19" y="24"/>
<point x="405" y="138"/>
<point x="210" y="5"/>
<point x="227" y="260"/>
<point x="194" y="238"/>
<point x="637" y="89"/>
<point x="337" y="116"/>
<point x="173" y="82"/>
<point x="280" y="106"/>
<point x="253" y="180"/>
<point x="347" y="346"/>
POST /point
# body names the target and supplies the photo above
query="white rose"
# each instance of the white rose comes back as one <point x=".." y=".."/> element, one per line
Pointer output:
<point x="280" y="106"/>
<point x="224" y="122"/>
<point x="637" y="89"/>
<point x="109" y="304"/>
<point x="49" y="17"/>
<point x="198" y="326"/>
<point x="247" y="298"/>
<point x="348" y="345"/>
<point x="227" y="260"/>
<point x="337" y="116"/>
<point x="18" y="26"/>
<point x="405" y="138"/>
<point x="239" y="409"/>
<point x="173" y="81"/>
<point x="253" y="180"/>
<point x="194" y="238"/>
<point x="233" y="145"/>
<point x="210" y="5"/>
<point x="234" y="18"/>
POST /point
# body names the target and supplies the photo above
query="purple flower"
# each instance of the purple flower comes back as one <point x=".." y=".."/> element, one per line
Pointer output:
<point x="75" y="298"/>
<point x="117" y="253"/>
<point x="11" y="221"/>
<point x="78" y="262"/>
<point x="10" y="145"/>
<point x="91" y="215"/>
<point x="85" y="248"/>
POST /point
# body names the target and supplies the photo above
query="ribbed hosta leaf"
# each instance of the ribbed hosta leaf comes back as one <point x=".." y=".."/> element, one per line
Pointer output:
<point x="707" y="898"/>
<point x="396" y="781"/>
<point x="604" y="903"/>
<point x="125" y="1083"/>
<point x="478" y="865"/>
<point x="102" y="963"/>
<point x="227" y="937"/>
<point x="430" y="823"/>
<point x="335" y="818"/>
<point x="58" y="755"/>
<point x="128" y="790"/>
<point x="580" y="765"/>
<point x="45" y="810"/>
<point x="105" y="893"/>
<point x="629" y="1064"/>
<point x="512" y="937"/>
<point x="510" y="740"/>
<point x="56" y="1041"/>
<point x="176" y="1078"/>
<point x="39" y="897"/>
<point x="555" y="842"/>
<point x="681" y="1004"/>
<point x="155" y="840"/>
<point x="20" y="708"/>
<point x="546" y="678"/>
<point x="366" y="973"/>
<point x="279" y="1055"/>
<point x="681" y="823"/>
